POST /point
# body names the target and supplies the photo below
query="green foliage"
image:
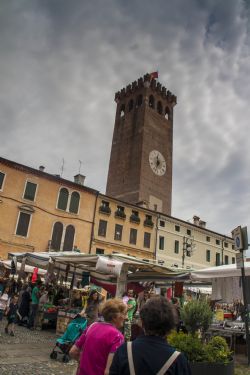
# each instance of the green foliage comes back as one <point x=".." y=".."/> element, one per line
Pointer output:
<point x="196" y="315"/>
<point x="216" y="350"/>
<point x="188" y="344"/>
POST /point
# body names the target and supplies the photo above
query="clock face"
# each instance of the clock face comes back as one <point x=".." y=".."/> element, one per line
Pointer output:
<point x="157" y="163"/>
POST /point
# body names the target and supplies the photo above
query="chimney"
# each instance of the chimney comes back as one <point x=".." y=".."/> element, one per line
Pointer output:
<point x="196" y="220"/>
<point x="143" y="204"/>
<point x="79" y="179"/>
<point x="41" y="168"/>
<point x="202" y="224"/>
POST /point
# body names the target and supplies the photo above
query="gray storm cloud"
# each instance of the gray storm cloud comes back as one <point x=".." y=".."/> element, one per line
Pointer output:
<point x="61" y="63"/>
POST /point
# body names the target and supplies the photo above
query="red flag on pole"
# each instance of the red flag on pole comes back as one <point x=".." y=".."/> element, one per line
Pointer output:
<point x="153" y="75"/>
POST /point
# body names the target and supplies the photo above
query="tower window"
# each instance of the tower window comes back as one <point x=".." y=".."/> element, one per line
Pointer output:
<point x="139" y="101"/>
<point x="122" y="110"/>
<point x="130" y="105"/>
<point x="159" y="108"/>
<point x="167" y="113"/>
<point x="151" y="101"/>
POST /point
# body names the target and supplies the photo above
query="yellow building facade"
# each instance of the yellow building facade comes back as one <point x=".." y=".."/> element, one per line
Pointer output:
<point x="124" y="228"/>
<point x="191" y="245"/>
<point x="42" y="212"/>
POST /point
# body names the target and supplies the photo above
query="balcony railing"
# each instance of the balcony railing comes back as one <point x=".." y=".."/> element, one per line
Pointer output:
<point x="105" y="210"/>
<point x="134" y="219"/>
<point x="148" y="223"/>
<point x="120" y="214"/>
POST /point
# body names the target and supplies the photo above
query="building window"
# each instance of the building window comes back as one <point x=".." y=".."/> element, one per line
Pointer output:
<point x="147" y="237"/>
<point x="217" y="259"/>
<point x="99" y="251"/>
<point x="2" y="175"/>
<point x="105" y="208"/>
<point x="176" y="247"/>
<point x="226" y="259"/>
<point x="225" y="244"/>
<point x="208" y="256"/>
<point x="233" y="260"/>
<point x="23" y="224"/>
<point x="189" y="232"/>
<point x="151" y="101"/>
<point x="148" y="222"/>
<point x="161" y="243"/>
<point x="102" y="228"/>
<point x="120" y="212"/>
<point x="30" y="191"/>
<point x="122" y="110"/>
<point x="74" y="202"/>
<point x="232" y="247"/>
<point x="134" y="217"/>
<point x="139" y="101"/>
<point x="130" y="105"/>
<point x="69" y="238"/>
<point x="57" y="236"/>
<point x="217" y="242"/>
<point x="162" y="223"/>
<point x="63" y="199"/>
<point x="208" y="239"/>
<point x="177" y="228"/>
<point x="118" y="232"/>
<point x="133" y="236"/>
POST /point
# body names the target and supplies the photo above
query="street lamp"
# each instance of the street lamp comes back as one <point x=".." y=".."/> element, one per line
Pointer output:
<point x="188" y="248"/>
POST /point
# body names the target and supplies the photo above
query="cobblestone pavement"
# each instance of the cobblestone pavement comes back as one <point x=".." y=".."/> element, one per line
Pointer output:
<point x="27" y="353"/>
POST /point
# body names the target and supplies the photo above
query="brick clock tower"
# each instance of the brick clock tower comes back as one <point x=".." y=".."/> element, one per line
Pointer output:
<point x="140" y="168"/>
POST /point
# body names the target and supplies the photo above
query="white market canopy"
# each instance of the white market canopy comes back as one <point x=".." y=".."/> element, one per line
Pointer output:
<point x="28" y="269"/>
<point x="76" y="263"/>
<point x="230" y="270"/>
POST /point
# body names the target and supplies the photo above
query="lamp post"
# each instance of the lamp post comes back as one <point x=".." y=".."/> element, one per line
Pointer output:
<point x="188" y="248"/>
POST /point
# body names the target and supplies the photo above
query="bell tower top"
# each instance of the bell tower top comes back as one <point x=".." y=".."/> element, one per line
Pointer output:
<point x="146" y="82"/>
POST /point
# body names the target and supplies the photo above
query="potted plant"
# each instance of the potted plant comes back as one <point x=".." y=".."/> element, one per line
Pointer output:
<point x="206" y="358"/>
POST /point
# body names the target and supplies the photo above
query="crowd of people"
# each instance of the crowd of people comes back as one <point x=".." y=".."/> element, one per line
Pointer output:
<point x="123" y="336"/>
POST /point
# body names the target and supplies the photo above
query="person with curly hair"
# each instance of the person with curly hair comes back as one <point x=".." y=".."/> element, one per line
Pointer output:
<point x="151" y="354"/>
<point x="96" y="346"/>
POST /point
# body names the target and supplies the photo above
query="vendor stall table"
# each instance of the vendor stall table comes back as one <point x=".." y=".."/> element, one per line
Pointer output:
<point x="230" y="334"/>
<point x="46" y="318"/>
<point x="63" y="319"/>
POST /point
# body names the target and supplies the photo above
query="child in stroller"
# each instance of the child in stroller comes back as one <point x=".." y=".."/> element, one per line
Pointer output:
<point x="63" y="344"/>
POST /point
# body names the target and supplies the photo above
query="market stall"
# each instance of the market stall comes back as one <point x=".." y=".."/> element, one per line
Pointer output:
<point x="227" y="299"/>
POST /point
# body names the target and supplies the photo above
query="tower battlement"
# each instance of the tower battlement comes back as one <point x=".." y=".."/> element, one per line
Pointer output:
<point x="146" y="81"/>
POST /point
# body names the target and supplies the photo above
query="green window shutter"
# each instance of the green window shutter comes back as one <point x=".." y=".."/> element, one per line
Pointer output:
<point x="74" y="202"/>
<point x="63" y="199"/>
<point x="30" y="191"/>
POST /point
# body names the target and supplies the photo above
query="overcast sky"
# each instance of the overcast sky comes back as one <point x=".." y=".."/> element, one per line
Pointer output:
<point x="62" y="61"/>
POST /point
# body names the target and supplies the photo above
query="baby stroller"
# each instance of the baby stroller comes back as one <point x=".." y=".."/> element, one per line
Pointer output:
<point x="65" y="342"/>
